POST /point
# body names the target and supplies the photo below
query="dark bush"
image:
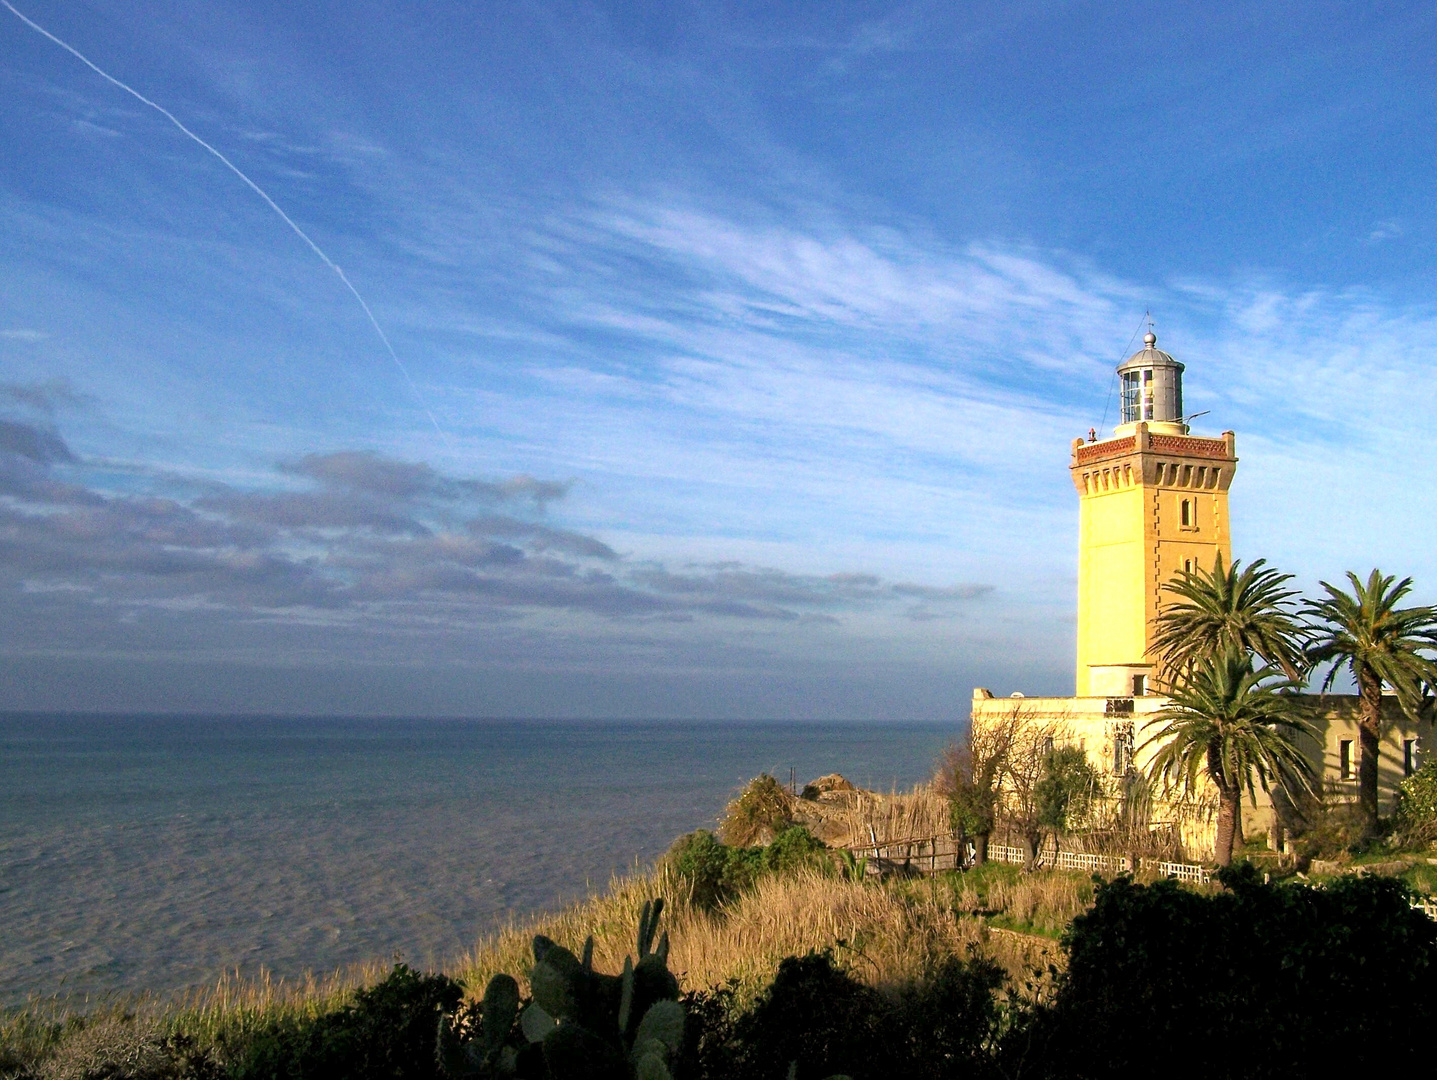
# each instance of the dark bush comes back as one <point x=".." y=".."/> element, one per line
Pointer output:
<point x="1257" y="981"/>
<point x="814" y="1013"/>
<point x="387" y="1033"/>
<point x="710" y="1050"/>
<point x="950" y="1024"/>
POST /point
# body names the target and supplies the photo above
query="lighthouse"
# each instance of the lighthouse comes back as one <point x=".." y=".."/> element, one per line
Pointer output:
<point x="1152" y="504"/>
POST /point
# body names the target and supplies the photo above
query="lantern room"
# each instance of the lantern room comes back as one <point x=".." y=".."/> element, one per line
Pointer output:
<point x="1152" y="390"/>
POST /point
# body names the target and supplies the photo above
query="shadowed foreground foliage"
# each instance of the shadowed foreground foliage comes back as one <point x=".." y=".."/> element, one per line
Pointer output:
<point x="1254" y="980"/>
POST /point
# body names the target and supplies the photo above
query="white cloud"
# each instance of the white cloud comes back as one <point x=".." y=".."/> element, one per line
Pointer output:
<point x="1386" y="229"/>
<point x="820" y="388"/>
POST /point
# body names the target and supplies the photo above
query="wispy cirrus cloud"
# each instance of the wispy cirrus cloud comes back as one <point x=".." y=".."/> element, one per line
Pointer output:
<point x="885" y="376"/>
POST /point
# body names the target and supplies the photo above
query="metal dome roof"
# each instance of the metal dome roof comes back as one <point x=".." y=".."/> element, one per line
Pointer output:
<point x="1149" y="356"/>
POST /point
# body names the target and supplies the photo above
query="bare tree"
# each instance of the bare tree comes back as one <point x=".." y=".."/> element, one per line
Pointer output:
<point x="1024" y="806"/>
<point x="970" y="776"/>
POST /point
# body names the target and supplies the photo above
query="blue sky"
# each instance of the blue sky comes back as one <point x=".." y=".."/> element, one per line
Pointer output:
<point x="754" y="339"/>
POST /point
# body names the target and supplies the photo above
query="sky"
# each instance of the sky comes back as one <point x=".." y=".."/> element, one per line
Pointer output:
<point x="724" y="359"/>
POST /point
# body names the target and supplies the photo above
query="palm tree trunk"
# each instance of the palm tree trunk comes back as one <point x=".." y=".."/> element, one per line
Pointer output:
<point x="1229" y="819"/>
<point x="1369" y="730"/>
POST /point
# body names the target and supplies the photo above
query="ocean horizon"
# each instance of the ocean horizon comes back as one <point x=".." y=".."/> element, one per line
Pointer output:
<point x="153" y="853"/>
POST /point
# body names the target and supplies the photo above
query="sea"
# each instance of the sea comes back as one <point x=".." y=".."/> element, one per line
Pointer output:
<point x="146" y="854"/>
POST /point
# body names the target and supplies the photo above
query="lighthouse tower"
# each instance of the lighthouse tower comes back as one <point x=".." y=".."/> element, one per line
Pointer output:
<point x="1152" y="504"/>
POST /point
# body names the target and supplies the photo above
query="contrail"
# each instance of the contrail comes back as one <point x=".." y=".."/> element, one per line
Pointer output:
<point x="33" y="25"/>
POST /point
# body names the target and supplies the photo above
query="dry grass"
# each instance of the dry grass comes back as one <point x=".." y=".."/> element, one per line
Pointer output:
<point x="1045" y="903"/>
<point x="232" y="1007"/>
<point x="238" y="1004"/>
<point x="887" y="935"/>
<point x="922" y="812"/>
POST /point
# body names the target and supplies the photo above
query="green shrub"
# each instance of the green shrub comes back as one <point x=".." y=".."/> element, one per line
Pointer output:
<point x="716" y="873"/>
<point x="711" y="1048"/>
<point x="1331" y="829"/>
<point x="793" y="849"/>
<point x="387" y="1033"/>
<point x="1066" y="788"/>
<point x="713" y="872"/>
<point x="1415" y="821"/>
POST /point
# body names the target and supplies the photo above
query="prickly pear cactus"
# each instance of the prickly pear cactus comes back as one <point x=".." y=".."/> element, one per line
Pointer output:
<point x="485" y="1051"/>
<point x="581" y="1023"/>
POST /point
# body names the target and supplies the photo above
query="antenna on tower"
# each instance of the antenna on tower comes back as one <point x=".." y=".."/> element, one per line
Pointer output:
<point x="1108" y="401"/>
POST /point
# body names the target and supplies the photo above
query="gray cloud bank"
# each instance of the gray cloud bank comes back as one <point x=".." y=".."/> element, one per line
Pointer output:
<point x="349" y="555"/>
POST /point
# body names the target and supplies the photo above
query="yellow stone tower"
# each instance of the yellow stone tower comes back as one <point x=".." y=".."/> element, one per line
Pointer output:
<point x="1152" y="503"/>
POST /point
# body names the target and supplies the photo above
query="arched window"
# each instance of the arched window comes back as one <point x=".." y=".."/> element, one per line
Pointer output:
<point x="1187" y="515"/>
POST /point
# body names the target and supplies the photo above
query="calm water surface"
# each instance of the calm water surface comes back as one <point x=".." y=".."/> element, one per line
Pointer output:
<point x="154" y="853"/>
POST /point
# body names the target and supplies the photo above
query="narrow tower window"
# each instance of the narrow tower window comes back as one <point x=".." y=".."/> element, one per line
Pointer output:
<point x="1344" y="759"/>
<point x="1409" y="756"/>
<point x="1187" y="513"/>
<point x="1122" y="752"/>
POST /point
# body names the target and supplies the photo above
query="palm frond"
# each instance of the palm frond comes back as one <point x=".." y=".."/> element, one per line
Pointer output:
<point x="1246" y="608"/>
<point x="1232" y="725"/>
<point x="1365" y="633"/>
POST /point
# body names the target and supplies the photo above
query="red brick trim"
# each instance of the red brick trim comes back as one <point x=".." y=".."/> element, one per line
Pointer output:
<point x="1111" y="448"/>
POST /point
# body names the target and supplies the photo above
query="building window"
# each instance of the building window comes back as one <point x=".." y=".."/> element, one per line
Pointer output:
<point x="1186" y="515"/>
<point x="1132" y="397"/>
<point x="1047" y="745"/>
<point x="1187" y="566"/>
<point x="1140" y="685"/>
<point x="1344" y="760"/>
<point x="1122" y="752"/>
<point x="1409" y="756"/>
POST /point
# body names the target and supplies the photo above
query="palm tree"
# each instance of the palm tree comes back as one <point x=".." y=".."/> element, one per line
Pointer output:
<point x="1379" y="644"/>
<point x="1227" y="723"/>
<point x="1245" y="608"/>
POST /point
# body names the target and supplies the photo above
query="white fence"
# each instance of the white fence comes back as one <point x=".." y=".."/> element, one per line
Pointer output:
<point x="1082" y="860"/>
<point x="933" y="853"/>
<point x="1180" y="870"/>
